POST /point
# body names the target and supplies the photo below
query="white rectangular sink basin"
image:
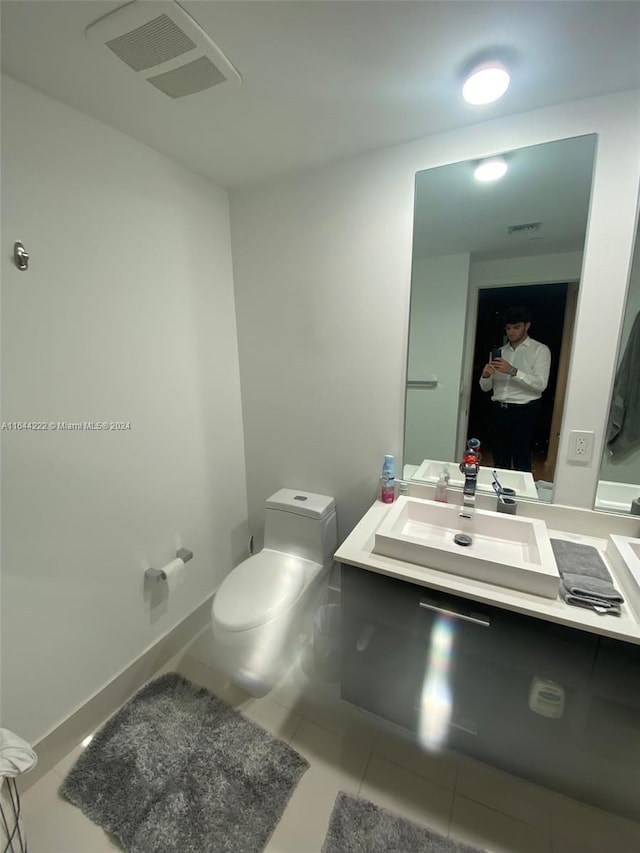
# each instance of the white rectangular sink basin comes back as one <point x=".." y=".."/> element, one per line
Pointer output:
<point x="624" y="555"/>
<point x="506" y="550"/>
<point x="521" y="482"/>
<point x="616" y="497"/>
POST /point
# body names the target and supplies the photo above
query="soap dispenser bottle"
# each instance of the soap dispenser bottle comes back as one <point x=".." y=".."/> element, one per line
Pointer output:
<point x="441" y="487"/>
<point x="388" y="481"/>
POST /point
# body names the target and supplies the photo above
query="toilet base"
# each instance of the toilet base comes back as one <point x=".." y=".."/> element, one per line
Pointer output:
<point x="257" y="659"/>
<point x="258" y="669"/>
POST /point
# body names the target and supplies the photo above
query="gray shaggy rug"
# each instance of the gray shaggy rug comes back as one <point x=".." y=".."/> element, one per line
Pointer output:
<point x="178" y="770"/>
<point x="359" y="826"/>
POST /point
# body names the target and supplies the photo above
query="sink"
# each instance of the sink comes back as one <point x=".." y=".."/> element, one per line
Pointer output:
<point x="624" y="555"/>
<point x="521" y="482"/>
<point x="507" y="550"/>
<point x="616" y="497"/>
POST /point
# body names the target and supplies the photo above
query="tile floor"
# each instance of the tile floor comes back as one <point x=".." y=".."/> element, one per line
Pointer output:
<point x="351" y="752"/>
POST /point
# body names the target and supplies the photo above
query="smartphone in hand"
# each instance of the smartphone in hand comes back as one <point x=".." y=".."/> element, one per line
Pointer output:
<point x="496" y="352"/>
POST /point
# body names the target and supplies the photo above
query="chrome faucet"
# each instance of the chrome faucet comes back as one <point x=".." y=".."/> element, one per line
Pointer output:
<point x="469" y="467"/>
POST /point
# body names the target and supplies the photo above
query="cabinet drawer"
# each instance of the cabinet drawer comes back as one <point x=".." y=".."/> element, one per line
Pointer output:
<point x="378" y="598"/>
<point x="382" y="674"/>
<point x="528" y="645"/>
<point x="616" y="674"/>
<point x="405" y="606"/>
<point x="538" y="648"/>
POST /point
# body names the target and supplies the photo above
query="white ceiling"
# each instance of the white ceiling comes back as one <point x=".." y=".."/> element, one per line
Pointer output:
<point x="327" y="79"/>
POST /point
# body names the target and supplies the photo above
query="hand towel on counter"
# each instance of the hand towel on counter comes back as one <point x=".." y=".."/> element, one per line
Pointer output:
<point x="586" y="581"/>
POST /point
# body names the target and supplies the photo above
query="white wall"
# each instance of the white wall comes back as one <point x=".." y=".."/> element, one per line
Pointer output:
<point x="531" y="269"/>
<point x="322" y="280"/>
<point x="126" y="314"/>
<point x="436" y="342"/>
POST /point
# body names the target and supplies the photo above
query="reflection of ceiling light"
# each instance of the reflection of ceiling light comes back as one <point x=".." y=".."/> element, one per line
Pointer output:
<point x="491" y="170"/>
<point x="487" y="82"/>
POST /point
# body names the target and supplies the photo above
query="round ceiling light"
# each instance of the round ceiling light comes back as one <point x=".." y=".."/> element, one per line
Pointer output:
<point x="491" y="169"/>
<point x="487" y="82"/>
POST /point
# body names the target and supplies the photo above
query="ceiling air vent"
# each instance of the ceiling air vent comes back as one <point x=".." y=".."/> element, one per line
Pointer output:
<point x="525" y="228"/>
<point x="164" y="46"/>
<point x="187" y="79"/>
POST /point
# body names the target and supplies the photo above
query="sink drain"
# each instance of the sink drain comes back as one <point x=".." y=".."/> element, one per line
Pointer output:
<point x="462" y="539"/>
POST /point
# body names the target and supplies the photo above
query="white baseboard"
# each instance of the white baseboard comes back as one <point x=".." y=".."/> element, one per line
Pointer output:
<point x="162" y="656"/>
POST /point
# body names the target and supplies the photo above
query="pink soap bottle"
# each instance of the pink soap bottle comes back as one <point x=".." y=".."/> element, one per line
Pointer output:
<point x="388" y="481"/>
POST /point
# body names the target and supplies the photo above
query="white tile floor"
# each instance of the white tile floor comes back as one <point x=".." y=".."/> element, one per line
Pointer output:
<point x="348" y="751"/>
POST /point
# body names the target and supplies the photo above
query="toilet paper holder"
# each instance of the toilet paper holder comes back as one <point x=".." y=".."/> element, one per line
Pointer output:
<point x="159" y="574"/>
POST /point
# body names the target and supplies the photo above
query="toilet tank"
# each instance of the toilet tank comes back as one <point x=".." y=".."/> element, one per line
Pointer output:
<point x="302" y="524"/>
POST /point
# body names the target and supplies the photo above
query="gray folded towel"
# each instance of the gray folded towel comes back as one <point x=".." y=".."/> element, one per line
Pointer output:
<point x="586" y="581"/>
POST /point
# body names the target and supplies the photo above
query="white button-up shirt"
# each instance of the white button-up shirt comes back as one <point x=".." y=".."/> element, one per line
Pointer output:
<point x="532" y="360"/>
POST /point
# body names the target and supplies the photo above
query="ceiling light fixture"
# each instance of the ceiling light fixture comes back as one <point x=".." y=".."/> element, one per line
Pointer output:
<point x="487" y="82"/>
<point x="491" y="169"/>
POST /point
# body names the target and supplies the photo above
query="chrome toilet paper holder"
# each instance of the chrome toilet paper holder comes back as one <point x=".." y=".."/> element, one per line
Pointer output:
<point x="159" y="574"/>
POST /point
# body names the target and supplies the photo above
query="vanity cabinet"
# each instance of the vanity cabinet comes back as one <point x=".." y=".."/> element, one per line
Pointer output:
<point x="462" y="673"/>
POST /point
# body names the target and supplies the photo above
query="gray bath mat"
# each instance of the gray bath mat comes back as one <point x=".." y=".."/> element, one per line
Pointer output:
<point x="178" y="770"/>
<point x="359" y="826"/>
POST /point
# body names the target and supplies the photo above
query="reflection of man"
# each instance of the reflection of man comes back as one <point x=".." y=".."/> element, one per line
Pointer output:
<point x="517" y="378"/>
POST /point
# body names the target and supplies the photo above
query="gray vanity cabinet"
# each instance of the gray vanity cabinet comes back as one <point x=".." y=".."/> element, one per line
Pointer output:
<point x="407" y="649"/>
<point x="400" y="638"/>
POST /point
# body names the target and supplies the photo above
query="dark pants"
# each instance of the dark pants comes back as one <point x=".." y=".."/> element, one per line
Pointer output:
<point x="513" y="426"/>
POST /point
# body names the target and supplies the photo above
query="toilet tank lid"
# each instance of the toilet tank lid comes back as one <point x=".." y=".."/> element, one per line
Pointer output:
<point x="301" y="503"/>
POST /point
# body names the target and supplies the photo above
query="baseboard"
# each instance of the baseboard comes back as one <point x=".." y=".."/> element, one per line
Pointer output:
<point x="163" y="655"/>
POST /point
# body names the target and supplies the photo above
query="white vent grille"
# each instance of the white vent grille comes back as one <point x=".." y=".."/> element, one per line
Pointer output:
<point x="188" y="79"/>
<point x="151" y="44"/>
<point x="525" y="228"/>
<point x="164" y="46"/>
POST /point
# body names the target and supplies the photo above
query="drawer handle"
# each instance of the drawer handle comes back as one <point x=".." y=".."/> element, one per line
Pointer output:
<point x="477" y="620"/>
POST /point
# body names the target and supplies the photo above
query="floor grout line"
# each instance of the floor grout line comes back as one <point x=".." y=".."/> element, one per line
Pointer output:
<point x="366" y="769"/>
<point x="453" y="800"/>
<point x="297" y="725"/>
<point x="414" y="772"/>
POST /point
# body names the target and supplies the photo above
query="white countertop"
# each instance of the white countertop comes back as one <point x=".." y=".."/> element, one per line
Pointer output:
<point x="357" y="550"/>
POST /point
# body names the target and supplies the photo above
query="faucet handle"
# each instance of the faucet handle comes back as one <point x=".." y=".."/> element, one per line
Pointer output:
<point x="471" y="457"/>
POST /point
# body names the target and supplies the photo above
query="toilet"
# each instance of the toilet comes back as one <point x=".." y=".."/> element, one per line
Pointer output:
<point x="262" y="609"/>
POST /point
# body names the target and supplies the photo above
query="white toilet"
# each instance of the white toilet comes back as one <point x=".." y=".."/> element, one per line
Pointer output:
<point x="264" y="605"/>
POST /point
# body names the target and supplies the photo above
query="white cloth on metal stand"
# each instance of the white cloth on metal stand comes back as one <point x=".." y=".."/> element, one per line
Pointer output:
<point x="16" y="756"/>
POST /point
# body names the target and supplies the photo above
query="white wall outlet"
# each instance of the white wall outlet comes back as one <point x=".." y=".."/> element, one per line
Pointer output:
<point x="580" y="446"/>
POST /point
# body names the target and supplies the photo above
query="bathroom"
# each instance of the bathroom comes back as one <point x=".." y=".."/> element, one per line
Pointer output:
<point x="155" y="298"/>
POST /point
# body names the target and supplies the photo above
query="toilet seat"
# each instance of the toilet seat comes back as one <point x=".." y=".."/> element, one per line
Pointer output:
<point x="258" y="589"/>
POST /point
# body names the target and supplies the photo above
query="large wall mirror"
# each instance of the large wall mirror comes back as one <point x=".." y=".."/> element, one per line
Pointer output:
<point x="480" y="247"/>
<point x="619" y="484"/>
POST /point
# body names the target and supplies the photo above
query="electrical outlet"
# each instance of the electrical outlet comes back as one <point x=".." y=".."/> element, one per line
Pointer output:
<point x="580" y="446"/>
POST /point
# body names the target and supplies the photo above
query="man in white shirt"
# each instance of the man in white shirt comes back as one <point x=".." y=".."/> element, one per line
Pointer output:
<point x="517" y="378"/>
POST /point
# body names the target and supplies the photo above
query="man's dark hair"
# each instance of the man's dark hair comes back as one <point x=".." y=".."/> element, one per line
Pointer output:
<point x="517" y="314"/>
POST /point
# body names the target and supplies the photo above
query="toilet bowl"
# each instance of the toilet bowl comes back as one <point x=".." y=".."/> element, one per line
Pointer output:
<point x="262" y="613"/>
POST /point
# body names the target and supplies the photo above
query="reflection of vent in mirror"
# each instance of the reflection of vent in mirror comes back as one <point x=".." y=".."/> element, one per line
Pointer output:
<point x="151" y="44"/>
<point x="526" y="228"/>
<point x="188" y="79"/>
